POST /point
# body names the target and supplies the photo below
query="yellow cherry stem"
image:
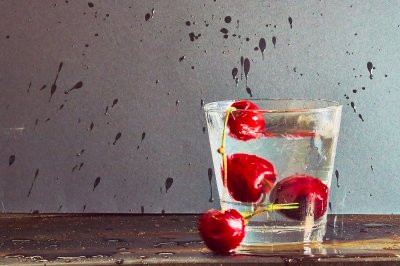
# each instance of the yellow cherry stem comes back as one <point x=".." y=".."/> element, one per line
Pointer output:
<point x="221" y="149"/>
<point x="273" y="207"/>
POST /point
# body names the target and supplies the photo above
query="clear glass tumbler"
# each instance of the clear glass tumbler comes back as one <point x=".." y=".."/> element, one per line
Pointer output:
<point x="273" y="161"/>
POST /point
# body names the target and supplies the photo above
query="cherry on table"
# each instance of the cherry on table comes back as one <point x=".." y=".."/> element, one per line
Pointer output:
<point x="308" y="191"/>
<point x="248" y="177"/>
<point x="243" y="123"/>
<point x="222" y="231"/>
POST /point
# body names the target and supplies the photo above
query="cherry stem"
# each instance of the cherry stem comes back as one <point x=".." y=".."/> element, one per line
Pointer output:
<point x="273" y="207"/>
<point x="221" y="150"/>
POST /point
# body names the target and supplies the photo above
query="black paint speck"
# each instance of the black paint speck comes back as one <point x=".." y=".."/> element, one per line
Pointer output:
<point x="228" y="19"/>
<point x="29" y="87"/>
<point x="90" y="4"/>
<point x="147" y="16"/>
<point x="176" y="102"/>
<point x="354" y="91"/>
<point x="182" y="58"/>
<point x="246" y="67"/>
<point x="115" y="101"/>
<point x="247" y="39"/>
<point x="117" y="137"/>
<point x="8" y="37"/>
<point x="224" y="30"/>
<point x="143" y="135"/>
<point x="43" y="87"/>
<point x="370" y="66"/>
<point x="210" y="175"/>
<point x="11" y="160"/>
<point x="78" y="85"/>
<point x="204" y="130"/>
<point x="330" y="206"/>
<point x="274" y="41"/>
<point x="235" y="72"/>
<point x="360" y="116"/>
<point x="96" y="182"/>
<point x="33" y="182"/>
<point x="353" y="106"/>
<point x="80" y="166"/>
<point x="262" y="44"/>
<point x="248" y="90"/>
<point x="193" y="36"/>
<point x="188" y="23"/>
<point x="290" y="22"/>
<point x="91" y="126"/>
<point x="106" y="111"/>
<point x="337" y="178"/>
<point x="372" y="168"/>
<point x="226" y="36"/>
<point x="363" y="88"/>
<point x="54" y="85"/>
<point x="80" y="153"/>
<point x="168" y="183"/>
<point x="61" y="107"/>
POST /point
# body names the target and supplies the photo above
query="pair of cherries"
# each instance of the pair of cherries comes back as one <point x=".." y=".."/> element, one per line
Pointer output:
<point x="248" y="178"/>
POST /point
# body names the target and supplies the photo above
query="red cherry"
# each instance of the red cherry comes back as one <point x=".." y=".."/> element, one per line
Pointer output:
<point x="222" y="232"/>
<point x="308" y="191"/>
<point x="245" y="125"/>
<point x="249" y="176"/>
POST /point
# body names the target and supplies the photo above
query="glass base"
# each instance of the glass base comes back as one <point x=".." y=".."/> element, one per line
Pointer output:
<point x="277" y="235"/>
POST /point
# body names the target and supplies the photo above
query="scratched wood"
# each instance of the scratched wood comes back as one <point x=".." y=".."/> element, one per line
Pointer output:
<point x="104" y="239"/>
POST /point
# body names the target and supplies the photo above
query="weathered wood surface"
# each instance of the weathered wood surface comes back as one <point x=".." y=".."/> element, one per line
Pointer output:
<point x="112" y="239"/>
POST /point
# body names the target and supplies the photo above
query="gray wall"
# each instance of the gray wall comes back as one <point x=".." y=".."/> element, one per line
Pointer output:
<point x="160" y="77"/>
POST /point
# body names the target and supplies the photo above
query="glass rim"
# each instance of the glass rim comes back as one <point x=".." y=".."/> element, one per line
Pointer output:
<point x="331" y="105"/>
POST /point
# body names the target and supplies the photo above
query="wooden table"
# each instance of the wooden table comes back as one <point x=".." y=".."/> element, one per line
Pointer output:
<point x="113" y="239"/>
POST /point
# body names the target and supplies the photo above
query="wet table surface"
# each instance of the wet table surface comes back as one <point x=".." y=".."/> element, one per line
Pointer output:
<point x="115" y="239"/>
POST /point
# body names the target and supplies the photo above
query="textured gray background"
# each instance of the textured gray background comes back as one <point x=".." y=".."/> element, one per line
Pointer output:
<point x="160" y="78"/>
